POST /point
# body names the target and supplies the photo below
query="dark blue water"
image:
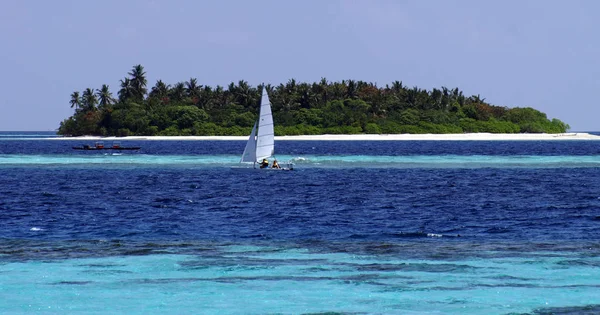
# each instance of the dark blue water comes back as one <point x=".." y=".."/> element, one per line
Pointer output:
<point x="165" y="203"/>
<point x="296" y="147"/>
<point x="370" y="204"/>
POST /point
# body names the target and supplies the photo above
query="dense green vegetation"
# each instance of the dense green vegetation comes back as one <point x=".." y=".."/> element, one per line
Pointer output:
<point x="347" y="107"/>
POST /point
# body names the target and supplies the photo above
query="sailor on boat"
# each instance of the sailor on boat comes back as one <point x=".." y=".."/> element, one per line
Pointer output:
<point x="264" y="163"/>
<point x="275" y="164"/>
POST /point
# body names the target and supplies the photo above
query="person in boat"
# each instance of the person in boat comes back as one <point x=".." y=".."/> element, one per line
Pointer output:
<point x="264" y="163"/>
<point x="275" y="164"/>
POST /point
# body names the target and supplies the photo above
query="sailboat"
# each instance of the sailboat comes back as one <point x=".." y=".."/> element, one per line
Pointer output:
<point x="261" y="143"/>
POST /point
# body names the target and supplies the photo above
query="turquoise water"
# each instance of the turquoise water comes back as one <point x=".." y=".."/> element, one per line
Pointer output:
<point x="312" y="161"/>
<point x="272" y="280"/>
<point x="249" y="280"/>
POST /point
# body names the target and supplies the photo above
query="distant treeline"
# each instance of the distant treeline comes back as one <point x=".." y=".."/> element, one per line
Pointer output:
<point x="346" y="107"/>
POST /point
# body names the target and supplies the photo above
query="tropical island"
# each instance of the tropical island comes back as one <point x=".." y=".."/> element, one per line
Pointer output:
<point x="348" y="107"/>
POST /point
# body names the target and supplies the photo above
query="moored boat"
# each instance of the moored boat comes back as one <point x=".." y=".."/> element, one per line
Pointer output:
<point x="116" y="145"/>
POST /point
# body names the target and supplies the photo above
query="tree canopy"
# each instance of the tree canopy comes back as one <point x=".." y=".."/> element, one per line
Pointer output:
<point x="324" y="107"/>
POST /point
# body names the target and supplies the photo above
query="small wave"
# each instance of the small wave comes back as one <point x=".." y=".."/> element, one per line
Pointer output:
<point x="416" y="234"/>
<point x="423" y="234"/>
<point x="36" y="229"/>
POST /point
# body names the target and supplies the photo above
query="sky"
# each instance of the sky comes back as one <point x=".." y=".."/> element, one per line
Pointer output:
<point x="516" y="53"/>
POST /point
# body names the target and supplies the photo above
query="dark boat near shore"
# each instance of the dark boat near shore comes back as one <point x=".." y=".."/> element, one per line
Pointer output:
<point x="100" y="146"/>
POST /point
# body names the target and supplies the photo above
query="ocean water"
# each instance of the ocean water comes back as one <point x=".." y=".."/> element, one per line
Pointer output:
<point x="358" y="227"/>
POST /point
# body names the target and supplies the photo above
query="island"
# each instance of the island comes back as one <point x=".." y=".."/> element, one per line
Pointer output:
<point x="348" y="107"/>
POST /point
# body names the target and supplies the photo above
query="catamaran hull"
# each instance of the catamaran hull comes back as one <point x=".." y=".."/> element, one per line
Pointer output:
<point x="262" y="169"/>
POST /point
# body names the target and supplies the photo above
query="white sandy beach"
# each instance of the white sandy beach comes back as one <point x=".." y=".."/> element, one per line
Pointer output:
<point x="371" y="137"/>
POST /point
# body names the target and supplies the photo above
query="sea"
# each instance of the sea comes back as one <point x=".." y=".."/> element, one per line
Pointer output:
<point x="358" y="227"/>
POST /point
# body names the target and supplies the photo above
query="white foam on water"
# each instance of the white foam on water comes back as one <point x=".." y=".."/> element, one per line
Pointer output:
<point x="434" y="235"/>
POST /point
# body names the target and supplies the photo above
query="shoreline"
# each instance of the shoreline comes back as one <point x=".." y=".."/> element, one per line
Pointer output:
<point x="366" y="137"/>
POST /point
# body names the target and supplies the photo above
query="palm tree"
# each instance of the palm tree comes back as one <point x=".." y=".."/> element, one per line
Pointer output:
<point x="351" y="90"/>
<point x="177" y="93"/>
<point x="321" y="90"/>
<point x="283" y="100"/>
<point x="476" y="99"/>
<point x="105" y="97"/>
<point x="138" y="82"/>
<point x="126" y="92"/>
<point x="397" y="87"/>
<point x="244" y="95"/>
<point x="192" y="90"/>
<point x="339" y="90"/>
<point x="306" y="98"/>
<point x="75" y="100"/>
<point x="89" y="100"/>
<point x="219" y="97"/>
<point x="435" y="99"/>
<point x="160" y="91"/>
<point x="206" y="98"/>
<point x="411" y="97"/>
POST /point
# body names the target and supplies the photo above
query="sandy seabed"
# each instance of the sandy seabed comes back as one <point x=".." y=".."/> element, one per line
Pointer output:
<point x="371" y="137"/>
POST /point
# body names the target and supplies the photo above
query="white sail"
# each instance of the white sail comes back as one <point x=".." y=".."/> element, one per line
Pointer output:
<point x="249" y="154"/>
<point x="265" y="137"/>
<point x="261" y="143"/>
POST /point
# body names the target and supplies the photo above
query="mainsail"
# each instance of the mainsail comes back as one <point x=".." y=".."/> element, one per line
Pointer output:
<point x="261" y="143"/>
<point x="265" y="137"/>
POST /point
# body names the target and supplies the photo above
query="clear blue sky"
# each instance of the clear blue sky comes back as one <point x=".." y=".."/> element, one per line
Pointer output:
<point x="517" y="53"/>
